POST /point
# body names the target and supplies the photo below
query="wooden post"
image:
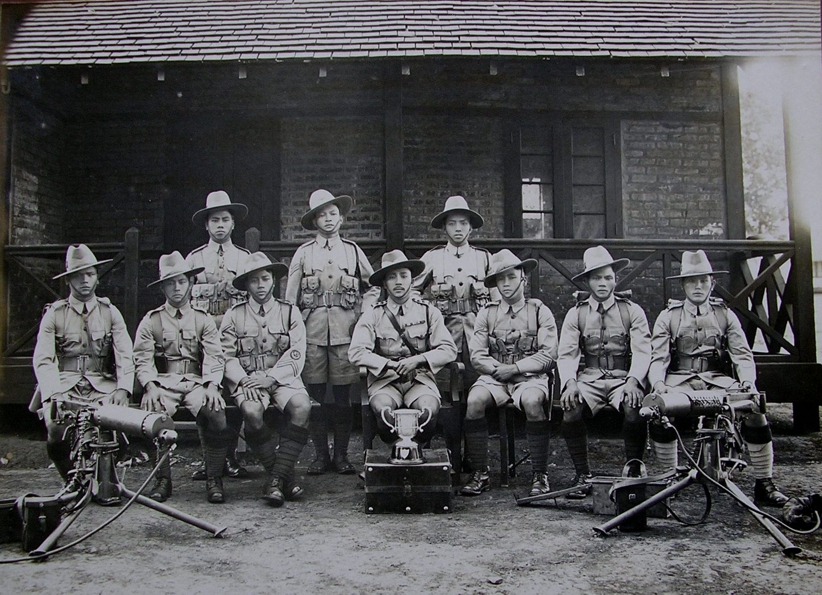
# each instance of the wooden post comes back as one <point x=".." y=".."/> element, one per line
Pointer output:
<point x="393" y="147"/>
<point x="131" y="250"/>
<point x="252" y="239"/>
<point x="803" y="167"/>
<point x="732" y="135"/>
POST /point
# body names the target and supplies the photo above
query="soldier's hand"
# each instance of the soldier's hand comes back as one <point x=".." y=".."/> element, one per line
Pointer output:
<point x="151" y="399"/>
<point x="570" y="397"/>
<point x="405" y="366"/>
<point x="117" y="397"/>
<point x="213" y="400"/>
<point x="254" y="395"/>
<point x="661" y="388"/>
<point x="505" y="372"/>
<point x="258" y="381"/>
<point x="632" y="392"/>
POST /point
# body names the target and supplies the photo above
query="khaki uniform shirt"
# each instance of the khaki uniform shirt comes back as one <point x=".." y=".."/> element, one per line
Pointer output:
<point x="607" y="334"/>
<point x="701" y="332"/>
<point x="191" y="337"/>
<point x="325" y="272"/>
<point x="272" y="343"/>
<point x="375" y="342"/>
<point x="458" y="272"/>
<point x="509" y="324"/>
<point x="66" y="331"/>
<point x="213" y="290"/>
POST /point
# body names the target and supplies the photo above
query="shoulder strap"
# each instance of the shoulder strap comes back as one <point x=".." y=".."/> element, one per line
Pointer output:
<point x="721" y="317"/>
<point x="105" y="312"/>
<point x="239" y="322"/>
<point x="581" y="318"/>
<point x="676" y="319"/>
<point x="157" y="330"/>
<point x="352" y="263"/>
<point x="285" y="316"/>
<point x="625" y="315"/>
<point x="492" y="316"/>
<point x="533" y="315"/>
<point x="393" y="320"/>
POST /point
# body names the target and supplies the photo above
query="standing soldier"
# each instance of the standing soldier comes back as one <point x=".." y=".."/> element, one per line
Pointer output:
<point x="72" y="357"/>
<point x="264" y="344"/>
<point x="453" y="277"/>
<point x="514" y="348"/>
<point x="691" y="341"/>
<point x="179" y="361"/>
<point x="604" y="352"/>
<point x="220" y="260"/>
<point x="403" y="342"/>
<point x="326" y="280"/>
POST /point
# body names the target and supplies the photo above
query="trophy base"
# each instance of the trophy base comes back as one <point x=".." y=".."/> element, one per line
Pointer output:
<point x="404" y="488"/>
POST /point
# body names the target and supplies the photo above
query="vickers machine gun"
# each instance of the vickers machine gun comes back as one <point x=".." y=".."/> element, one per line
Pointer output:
<point x="95" y="434"/>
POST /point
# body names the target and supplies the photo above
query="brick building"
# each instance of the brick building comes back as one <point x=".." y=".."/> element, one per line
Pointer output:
<point x="563" y="122"/>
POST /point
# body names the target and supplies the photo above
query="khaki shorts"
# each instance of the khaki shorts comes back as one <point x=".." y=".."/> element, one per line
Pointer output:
<point x="280" y="395"/>
<point x="601" y="393"/>
<point x="404" y="394"/>
<point x="511" y="392"/>
<point x="329" y="363"/>
<point x="187" y="393"/>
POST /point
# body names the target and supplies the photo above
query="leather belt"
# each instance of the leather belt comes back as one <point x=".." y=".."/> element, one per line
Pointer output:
<point x="255" y="363"/>
<point x="698" y="364"/>
<point x="606" y="361"/>
<point x="80" y="363"/>
<point x="182" y="367"/>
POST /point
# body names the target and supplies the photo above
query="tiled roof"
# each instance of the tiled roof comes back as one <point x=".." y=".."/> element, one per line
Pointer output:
<point x="123" y="31"/>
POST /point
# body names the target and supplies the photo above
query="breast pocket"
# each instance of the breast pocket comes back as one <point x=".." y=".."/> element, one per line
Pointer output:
<point x="188" y="339"/>
<point x="418" y="335"/>
<point x="170" y="344"/>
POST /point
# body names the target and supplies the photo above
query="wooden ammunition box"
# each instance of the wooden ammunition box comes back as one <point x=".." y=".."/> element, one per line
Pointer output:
<point x="425" y="487"/>
<point x="602" y="504"/>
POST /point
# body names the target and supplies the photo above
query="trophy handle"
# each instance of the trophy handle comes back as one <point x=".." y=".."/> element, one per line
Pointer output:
<point x="430" y="417"/>
<point x="385" y="419"/>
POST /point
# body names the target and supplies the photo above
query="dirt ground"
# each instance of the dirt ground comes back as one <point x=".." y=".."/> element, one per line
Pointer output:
<point x="487" y="545"/>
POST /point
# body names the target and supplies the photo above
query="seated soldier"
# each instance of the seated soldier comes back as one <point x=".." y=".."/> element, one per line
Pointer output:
<point x="607" y="336"/>
<point x="403" y="342"/>
<point x="74" y="345"/>
<point x="179" y="361"/>
<point x="264" y="344"/>
<point x="691" y="339"/>
<point x="513" y="348"/>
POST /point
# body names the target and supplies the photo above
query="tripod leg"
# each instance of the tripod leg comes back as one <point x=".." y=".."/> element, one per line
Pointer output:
<point x="50" y="541"/>
<point x="174" y="513"/>
<point x="602" y="530"/>
<point x="788" y="548"/>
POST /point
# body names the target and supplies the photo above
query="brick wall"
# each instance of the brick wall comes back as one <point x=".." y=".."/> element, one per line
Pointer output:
<point x="447" y="155"/>
<point x="343" y="155"/>
<point x="672" y="179"/>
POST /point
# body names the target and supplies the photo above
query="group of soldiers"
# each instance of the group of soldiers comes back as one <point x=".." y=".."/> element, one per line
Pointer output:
<point x="222" y="334"/>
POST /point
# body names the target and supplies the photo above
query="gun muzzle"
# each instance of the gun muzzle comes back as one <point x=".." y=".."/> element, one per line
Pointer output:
<point x="135" y="422"/>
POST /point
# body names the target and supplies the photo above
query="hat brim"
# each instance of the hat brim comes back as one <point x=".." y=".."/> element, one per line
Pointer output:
<point x="277" y="269"/>
<point x="474" y="218"/>
<point x="617" y="265"/>
<point x="343" y="201"/>
<point x="415" y="266"/>
<point x="699" y="274"/>
<point x="527" y="265"/>
<point x="194" y="271"/>
<point x="82" y="268"/>
<point x="238" y="210"/>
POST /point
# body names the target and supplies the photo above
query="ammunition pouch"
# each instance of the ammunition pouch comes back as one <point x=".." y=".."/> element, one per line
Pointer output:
<point x="443" y="296"/>
<point x="347" y="297"/>
<point x="511" y="352"/>
<point x="207" y="297"/>
<point x="480" y="295"/>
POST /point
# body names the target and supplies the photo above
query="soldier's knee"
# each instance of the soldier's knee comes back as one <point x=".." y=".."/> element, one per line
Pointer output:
<point x="299" y="409"/>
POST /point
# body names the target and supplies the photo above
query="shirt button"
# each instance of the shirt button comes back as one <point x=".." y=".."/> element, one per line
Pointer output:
<point x="330" y="276"/>
<point x="459" y="270"/>
<point x="461" y="283"/>
<point x="263" y="325"/>
<point x="265" y="340"/>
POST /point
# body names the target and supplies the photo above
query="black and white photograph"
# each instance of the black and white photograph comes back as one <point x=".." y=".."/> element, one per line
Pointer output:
<point x="482" y="297"/>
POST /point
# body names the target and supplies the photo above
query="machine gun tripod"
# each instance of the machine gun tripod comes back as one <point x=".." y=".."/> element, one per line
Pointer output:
<point x="717" y="451"/>
<point x="93" y="433"/>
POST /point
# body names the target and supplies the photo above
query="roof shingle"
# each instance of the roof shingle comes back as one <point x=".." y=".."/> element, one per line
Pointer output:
<point x="123" y="31"/>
